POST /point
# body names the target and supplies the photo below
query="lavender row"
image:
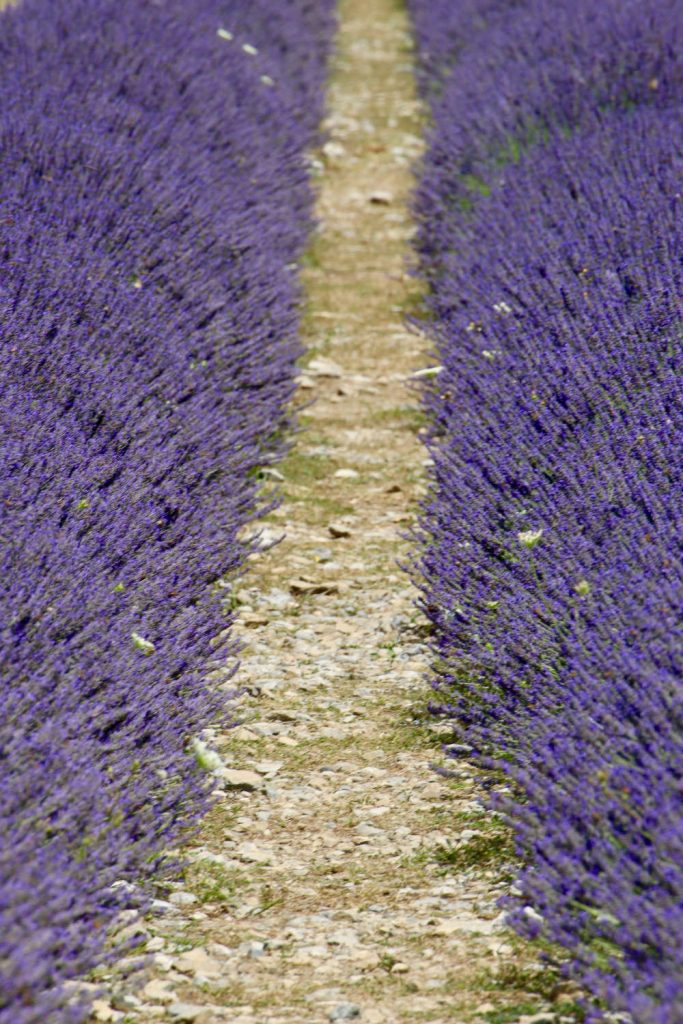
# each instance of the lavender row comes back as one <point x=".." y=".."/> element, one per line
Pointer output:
<point x="551" y="558"/>
<point x="500" y="76"/>
<point x="154" y="200"/>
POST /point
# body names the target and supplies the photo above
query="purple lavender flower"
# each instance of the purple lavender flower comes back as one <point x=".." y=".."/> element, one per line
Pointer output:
<point x="550" y="555"/>
<point x="154" y="196"/>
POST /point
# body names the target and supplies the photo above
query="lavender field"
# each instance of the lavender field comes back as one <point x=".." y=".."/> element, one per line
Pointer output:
<point x="549" y="218"/>
<point x="217" y="219"/>
<point x="154" y="196"/>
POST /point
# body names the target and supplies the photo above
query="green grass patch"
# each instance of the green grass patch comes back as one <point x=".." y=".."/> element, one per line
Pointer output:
<point x="482" y="851"/>
<point x="212" y="883"/>
<point x="301" y="469"/>
<point x="401" y="416"/>
<point x="511" y="1014"/>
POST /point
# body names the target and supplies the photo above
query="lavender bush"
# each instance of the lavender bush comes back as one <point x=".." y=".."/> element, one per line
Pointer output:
<point x="551" y="561"/>
<point x="153" y="201"/>
<point x="528" y="68"/>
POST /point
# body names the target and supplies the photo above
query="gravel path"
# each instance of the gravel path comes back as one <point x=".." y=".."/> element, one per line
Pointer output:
<point x="339" y="877"/>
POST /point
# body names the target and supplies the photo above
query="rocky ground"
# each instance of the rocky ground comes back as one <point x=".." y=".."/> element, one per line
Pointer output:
<point x="339" y="877"/>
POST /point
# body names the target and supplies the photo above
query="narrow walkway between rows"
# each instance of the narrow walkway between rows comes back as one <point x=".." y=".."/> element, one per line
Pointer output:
<point x="318" y="890"/>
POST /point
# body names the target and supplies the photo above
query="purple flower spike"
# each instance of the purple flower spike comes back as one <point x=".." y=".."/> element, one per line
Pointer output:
<point x="153" y="197"/>
<point x="550" y="557"/>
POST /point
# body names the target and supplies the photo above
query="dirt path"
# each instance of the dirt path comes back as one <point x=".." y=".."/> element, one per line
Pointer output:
<point x="345" y="879"/>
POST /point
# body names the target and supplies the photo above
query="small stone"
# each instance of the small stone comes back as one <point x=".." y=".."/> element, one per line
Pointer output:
<point x="449" y="927"/>
<point x="400" y="968"/>
<point x="308" y="956"/>
<point x="159" y="991"/>
<point x="343" y="937"/>
<point x="432" y="789"/>
<point x="268" y="767"/>
<point x="347" y="474"/>
<point x="380" y="197"/>
<point x="323" y="555"/>
<point x="135" y="933"/>
<point x="155" y="945"/>
<point x="364" y="959"/>
<point x="324" y="995"/>
<point x="182" y="899"/>
<point x="331" y="732"/>
<point x="245" y="910"/>
<point x="533" y="915"/>
<point x="163" y="962"/>
<point x="103" y="1011"/>
<point x="218" y="949"/>
<point x="242" y="735"/>
<point x="323" y="367"/>
<point x="469" y="925"/>
<point x="187" y="1011"/>
<point x="197" y="961"/>
<point x="366" y="829"/>
<point x="123" y="885"/>
<point x="340" y="530"/>
<point x="300" y="586"/>
<point x="258" y="686"/>
<point x="304" y="586"/>
<point x="125" y="1001"/>
<point x="277" y="599"/>
<point x="267" y="728"/>
<point x="253" y="621"/>
<point x="252" y="949"/>
<point x="266" y="538"/>
<point x="333" y="150"/>
<point x="284" y="715"/>
<point x="485" y="1008"/>
<point x="344" y="1011"/>
<point x="236" y="778"/>
<point x="441" y="728"/>
<point x="253" y="854"/>
<point x="374" y="1017"/>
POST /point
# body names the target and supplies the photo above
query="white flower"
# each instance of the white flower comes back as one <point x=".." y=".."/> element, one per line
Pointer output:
<point x="429" y="371"/>
<point x="145" y="646"/>
<point x="251" y="50"/>
<point x="267" y="80"/>
<point x="529" y="538"/>
<point x="207" y="758"/>
<point x="502" y="308"/>
<point x="224" y="34"/>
